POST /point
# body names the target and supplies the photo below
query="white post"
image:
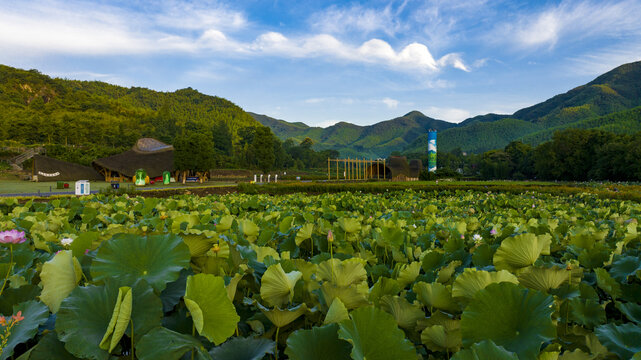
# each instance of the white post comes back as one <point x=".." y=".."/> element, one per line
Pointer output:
<point x="276" y="178"/>
<point x="254" y="177"/>
<point x="261" y="177"/>
<point x="269" y="177"/>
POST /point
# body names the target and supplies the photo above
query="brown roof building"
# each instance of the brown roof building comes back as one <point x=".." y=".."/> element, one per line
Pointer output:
<point x="154" y="156"/>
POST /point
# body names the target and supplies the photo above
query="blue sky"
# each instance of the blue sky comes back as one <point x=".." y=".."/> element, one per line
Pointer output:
<point x="322" y="62"/>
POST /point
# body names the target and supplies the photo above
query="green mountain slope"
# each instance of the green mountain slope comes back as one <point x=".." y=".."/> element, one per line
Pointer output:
<point x="587" y="106"/>
<point x="372" y="141"/>
<point x="35" y="108"/>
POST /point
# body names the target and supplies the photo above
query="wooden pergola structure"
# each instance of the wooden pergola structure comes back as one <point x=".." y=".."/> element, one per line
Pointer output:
<point x="356" y="169"/>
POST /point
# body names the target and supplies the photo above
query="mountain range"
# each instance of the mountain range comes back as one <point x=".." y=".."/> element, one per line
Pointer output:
<point x="610" y="102"/>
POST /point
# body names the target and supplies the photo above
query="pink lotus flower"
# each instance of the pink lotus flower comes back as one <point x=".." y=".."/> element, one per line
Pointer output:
<point x="493" y="232"/>
<point x="12" y="237"/>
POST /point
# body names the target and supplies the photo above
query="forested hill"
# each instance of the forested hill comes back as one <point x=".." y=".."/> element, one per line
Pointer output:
<point x="35" y="108"/>
<point x="608" y="103"/>
<point x="372" y="141"/>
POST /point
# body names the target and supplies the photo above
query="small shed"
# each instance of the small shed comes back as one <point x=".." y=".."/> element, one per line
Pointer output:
<point x="83" y="187"/>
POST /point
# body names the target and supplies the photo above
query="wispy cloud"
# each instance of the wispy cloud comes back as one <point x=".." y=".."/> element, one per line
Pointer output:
<point x="105" y="30"/>
<point x="571" y="21"/>
<point x="390" y="103"/>
<point x="357" y="18"/>
<point x="448" y="114"/>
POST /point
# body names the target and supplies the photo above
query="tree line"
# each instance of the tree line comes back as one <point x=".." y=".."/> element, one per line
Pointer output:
<point x="571" y="155"/>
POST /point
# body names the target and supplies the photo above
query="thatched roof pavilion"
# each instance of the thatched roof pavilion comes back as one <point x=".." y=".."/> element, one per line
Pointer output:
<point x="50" y="169"/>
<point x="154" y="156"/>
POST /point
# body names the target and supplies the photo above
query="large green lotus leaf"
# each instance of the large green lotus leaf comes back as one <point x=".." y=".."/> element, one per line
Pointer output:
<point x="304" y="233"/>
<point x="161" y="343"/>
<point x="438" y="338"/>
<point x="178" y="222"/>
<point x="49" y="348"/>
<point x="59" y="277"/>
<point x="239" y="348"/>
<point x="374" y="335"/>
<point x="517" y="319"/>
<point x="126" y="257"/>
<point x="213" y="313"/>
<point x="623" y="340"/>
<point x="277" y="286"/>
<point x="470" y="281"/>
<point x="285" y="224"/>
<point x="35" y="314"/>
<point x="349" y="225"/>
<point x="249" y="229"/>
<point x="607" y="283"/>
<point x="198" y="245"/>
<point x="577" y="354"/>
<point x="631" y="310"/>
<point x="337" y="312"/>
<point x="283" y="317"/>
<point x="406" y="314"/>
<point x="543" y="279"/>
<point x="224" y="223"/>
<point x="83" y="242"/>
<point x="232" y="285"/>
<point x="438" y="318"/>
<point x="85" y="315"/>
<point x="119" y="319"/>
<point x="485" y="350"/>
<point x="624" y="267"/>
<point x="11" y="297"/>
<point x="318" y="343"/>
<point x="587" y="313"/>
<point x="408" y="273"/>
<point x="352" y="296"/>
<point x="436" y="295"/>
<point x="342" y="273"/>
<point x="521" y="251"/>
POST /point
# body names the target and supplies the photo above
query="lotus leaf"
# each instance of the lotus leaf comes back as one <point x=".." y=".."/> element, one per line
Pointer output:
<point x="83" y="242"/>
<point x="406" y="314"/>
<point x="342" y="273"/>
<point x="445" y="274"/>
<point x="158" y="259"/>
<point x="374" y="335"/>
<point x="15" y="296"/>
<point x="119" y="319"/>
<point x="623" y="340"/>
<point x="468" y="283"/>
<point x="408" y="273"/>
<point x="352" y="296"/>
<point x="161" y="343"/>
<point x="285" y="224"/>
<point x="631" y="310"/>
<point x="48" y="348"/>
<point x="588" y="313"/>
<point x="383" y="286"/>
<point x="304" y="233"/>
<point x="59" y="276"/>
<point x="238" y="348"/>
<point x="349" y="225"/>
<point x="283" y="317"/>
<point x="318" y="343"/>
<point x="522" y="324"/>
<point x="543" y="279"/>
<point x="277" y="286"/>
<point x="438" y="338"/>
<point x="337" y="312"/>
<point x="249" y="229"/>
<point x="607" y="283"/>
<point x="521" y="251"/>
<point x="213" y="313"/>
<point x="436" y="295"/>
<point x="86" y="313"/>
<point x="624" y="267"/>
<point x="35" y="314"/>
<point x="483" y="350"/>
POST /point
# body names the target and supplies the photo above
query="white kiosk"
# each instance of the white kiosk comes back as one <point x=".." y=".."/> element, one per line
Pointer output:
<point x="82" y="187"/>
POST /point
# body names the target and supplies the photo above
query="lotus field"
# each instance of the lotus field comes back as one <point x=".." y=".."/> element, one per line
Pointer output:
<point x="398" y="275"/>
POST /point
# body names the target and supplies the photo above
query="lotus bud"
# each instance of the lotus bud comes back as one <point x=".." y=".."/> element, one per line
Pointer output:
<point x="215" y="249"/>
<point x="330" y="236"/>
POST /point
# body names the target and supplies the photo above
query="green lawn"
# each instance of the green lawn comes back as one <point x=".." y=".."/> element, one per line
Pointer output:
<point x="26" y="187"/>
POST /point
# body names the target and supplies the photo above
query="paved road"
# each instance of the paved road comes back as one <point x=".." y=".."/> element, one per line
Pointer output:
<point x="53" y="193"/>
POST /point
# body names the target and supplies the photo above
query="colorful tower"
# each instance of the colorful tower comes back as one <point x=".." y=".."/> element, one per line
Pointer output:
<point x="431" y="151"/>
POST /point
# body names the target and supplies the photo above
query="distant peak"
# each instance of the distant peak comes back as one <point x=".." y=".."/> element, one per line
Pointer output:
<point x="414" y="113"/>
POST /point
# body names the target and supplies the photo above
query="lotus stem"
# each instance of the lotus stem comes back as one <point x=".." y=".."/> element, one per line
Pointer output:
<point x="132" y="339"/>
<point x="193" y="333"/>
<point x="6" y="277"/>
<point x="276" y="352"/>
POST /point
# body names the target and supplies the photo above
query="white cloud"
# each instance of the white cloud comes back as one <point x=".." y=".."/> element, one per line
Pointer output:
<point x="448" y="114"/>
<point x="337" y="20"/>
<point x="390" y="103"/>
<point x="328" y="123"/>
<point x="315" y="100"/>
<point x="50" y="27"/>
<point x="575" y="20"/>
